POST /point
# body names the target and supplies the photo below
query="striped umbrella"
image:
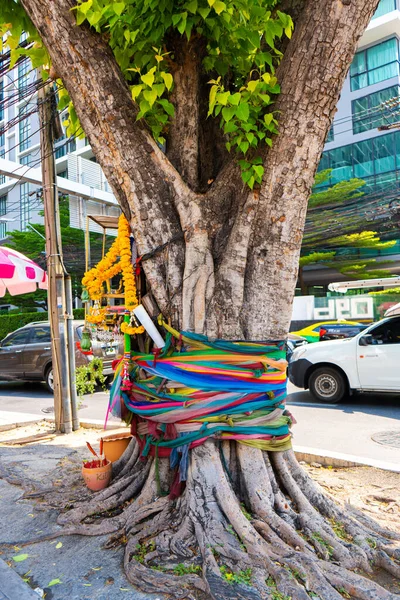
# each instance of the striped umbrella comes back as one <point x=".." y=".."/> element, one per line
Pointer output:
<point x="19" y="274"/>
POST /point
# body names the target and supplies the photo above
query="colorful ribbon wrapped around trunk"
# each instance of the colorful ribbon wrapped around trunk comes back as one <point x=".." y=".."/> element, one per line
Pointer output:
<point x="196" y="388"/>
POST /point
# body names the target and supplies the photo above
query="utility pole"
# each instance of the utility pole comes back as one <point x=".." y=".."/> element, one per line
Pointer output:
<point x="59" y="316"/>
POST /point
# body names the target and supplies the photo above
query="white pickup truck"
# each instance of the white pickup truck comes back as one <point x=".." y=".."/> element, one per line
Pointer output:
<point x="368" y="362"/>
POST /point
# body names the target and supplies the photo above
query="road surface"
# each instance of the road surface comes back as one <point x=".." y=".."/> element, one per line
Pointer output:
<point x="345" y="428"/>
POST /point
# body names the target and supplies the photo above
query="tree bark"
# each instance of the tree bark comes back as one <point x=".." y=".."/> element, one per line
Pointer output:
<point x="252" y="515"/>
<point x="238" y="267"/>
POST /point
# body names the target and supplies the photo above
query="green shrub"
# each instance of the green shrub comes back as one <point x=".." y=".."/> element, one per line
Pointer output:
<point x="11" y="322"/>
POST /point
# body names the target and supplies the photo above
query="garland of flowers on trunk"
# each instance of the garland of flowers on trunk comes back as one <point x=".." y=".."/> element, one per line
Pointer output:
<point x="196" y="388"/>
<point x="109" y="266"/>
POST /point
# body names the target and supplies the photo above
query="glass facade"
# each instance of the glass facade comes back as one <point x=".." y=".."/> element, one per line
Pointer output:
<point x="375" y="64"/>
<point x="65" y="147"/>
<point x="368" y="113"/>
<point x="3" y="211"/>
<point x="1" y="99"/>
<point x="23" y="76"/>
<point x="331" y="135"/>
<point x="376" y="160"/>
<point x="24" y="205"/>
<point x="384" y="7"/>
<point x="24" y="129"/>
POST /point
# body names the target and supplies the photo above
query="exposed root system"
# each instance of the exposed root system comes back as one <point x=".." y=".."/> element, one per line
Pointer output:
<point x="249" y="525"/>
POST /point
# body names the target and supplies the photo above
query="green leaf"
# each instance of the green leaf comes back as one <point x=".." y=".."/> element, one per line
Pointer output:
<point x="20" y="557"/>
<point x="159" y="88"/>
<point x="175" y="19"/>
<point x="127" y="35"/>
<point x="244" y="146"/>
<point x="135" y="91"/>
<point x="246" y="176"/>
<point x="85" y="6"/>
<point x="94" y="17"/>
<point x="168" y="80"/>
<point x="59" y="545"/>
<point x="251" y="182"/>
<point x="168" y="107"/>
<point x="222" y="98"/>
<point x="204" y="12"/>
<point x="213" y="95"/>
<point x="210" y="2"/>
<point x="235" y="99"/>
<point x="252" y="85"/>
<point x="250" y="137"/>
<point x="144" y="108"/>
<point x="243" y="111"/>
<point x="54" y="582"/>
<point x="192" y="6"/>
<point x="230" y="127"/>
<point x="228" y="112"/>
<point x="148" y="78"/>
<point x="268" y="118"/>
<point x="150" y="96"/>
<point x="118" y="8"/>
<point x="182" y="25"/>
<point x="80" y="17"/>
<point x="219" y="6"/>
<point x="259" y="170"/>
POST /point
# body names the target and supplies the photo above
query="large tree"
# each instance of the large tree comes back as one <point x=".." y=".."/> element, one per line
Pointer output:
<point x="231" y="236"/>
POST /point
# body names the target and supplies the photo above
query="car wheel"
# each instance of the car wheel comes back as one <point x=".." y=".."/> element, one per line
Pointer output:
<point x="327" y="384"/>
<point x="49" y="380"/>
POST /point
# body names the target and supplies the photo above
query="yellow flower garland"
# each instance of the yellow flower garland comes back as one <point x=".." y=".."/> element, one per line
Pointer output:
<point x="107" y="268"/>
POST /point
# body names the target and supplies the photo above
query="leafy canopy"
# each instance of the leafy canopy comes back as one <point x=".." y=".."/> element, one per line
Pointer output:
<point x="323" y="245"/>
<point x="240" y="39"/>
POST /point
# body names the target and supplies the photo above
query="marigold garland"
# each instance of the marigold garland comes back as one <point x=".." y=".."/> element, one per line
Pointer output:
<point x="106" y="269"/>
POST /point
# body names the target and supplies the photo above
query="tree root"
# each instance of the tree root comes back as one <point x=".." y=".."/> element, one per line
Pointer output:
<point x="249" y="526"/>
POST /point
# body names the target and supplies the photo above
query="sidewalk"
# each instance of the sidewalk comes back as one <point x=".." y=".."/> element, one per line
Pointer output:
<point x="82" y="569"/>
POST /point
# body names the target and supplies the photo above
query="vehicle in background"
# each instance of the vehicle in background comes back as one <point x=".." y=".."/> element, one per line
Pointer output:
<point x="368" y="362"/>
<point x="293" y="341"/>
<point x="312" y="332"/>
<point x="25" y="354"/>
<point x="339" y="332"/>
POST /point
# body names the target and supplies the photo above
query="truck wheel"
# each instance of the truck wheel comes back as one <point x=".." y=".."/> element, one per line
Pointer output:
<point x="327" y="385"/>
<point x="49" y="380"/>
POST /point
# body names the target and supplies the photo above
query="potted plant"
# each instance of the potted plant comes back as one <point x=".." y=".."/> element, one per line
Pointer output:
<point x="97" y="472"/>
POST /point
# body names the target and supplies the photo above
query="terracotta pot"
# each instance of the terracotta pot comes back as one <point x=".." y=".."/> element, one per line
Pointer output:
<point x="98" y="478"/>
<point x="115" y="445"/>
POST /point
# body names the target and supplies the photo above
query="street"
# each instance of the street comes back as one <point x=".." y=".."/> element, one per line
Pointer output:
<point x="345" y="428"/>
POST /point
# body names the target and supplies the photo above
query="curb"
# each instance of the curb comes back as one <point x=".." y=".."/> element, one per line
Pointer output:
<point x="93" y="424"/>
<point x="12" y="586"/>
<point x="337" y="459"/>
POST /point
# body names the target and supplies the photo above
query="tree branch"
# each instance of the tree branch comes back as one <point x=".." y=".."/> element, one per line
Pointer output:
<point x="144" y="181"/>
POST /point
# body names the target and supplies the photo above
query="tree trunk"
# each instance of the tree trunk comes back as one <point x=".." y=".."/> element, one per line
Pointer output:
<point x="249" y="524"/>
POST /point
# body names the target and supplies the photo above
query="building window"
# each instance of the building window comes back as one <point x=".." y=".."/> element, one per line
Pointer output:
<point x="24" y="205"/>
<point x="3" y="211"/>
<point x="64" y="148"/>
<point x="375" y="64"/>
<point x="368" y="112"/>
<point x="377" y="161"/>
<point x="384" y="7"/>
<point x="2" y="155"/>
<point x="23" y="77"/>
<point x="24" y="129"/>
<point x="331" y="136"/>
